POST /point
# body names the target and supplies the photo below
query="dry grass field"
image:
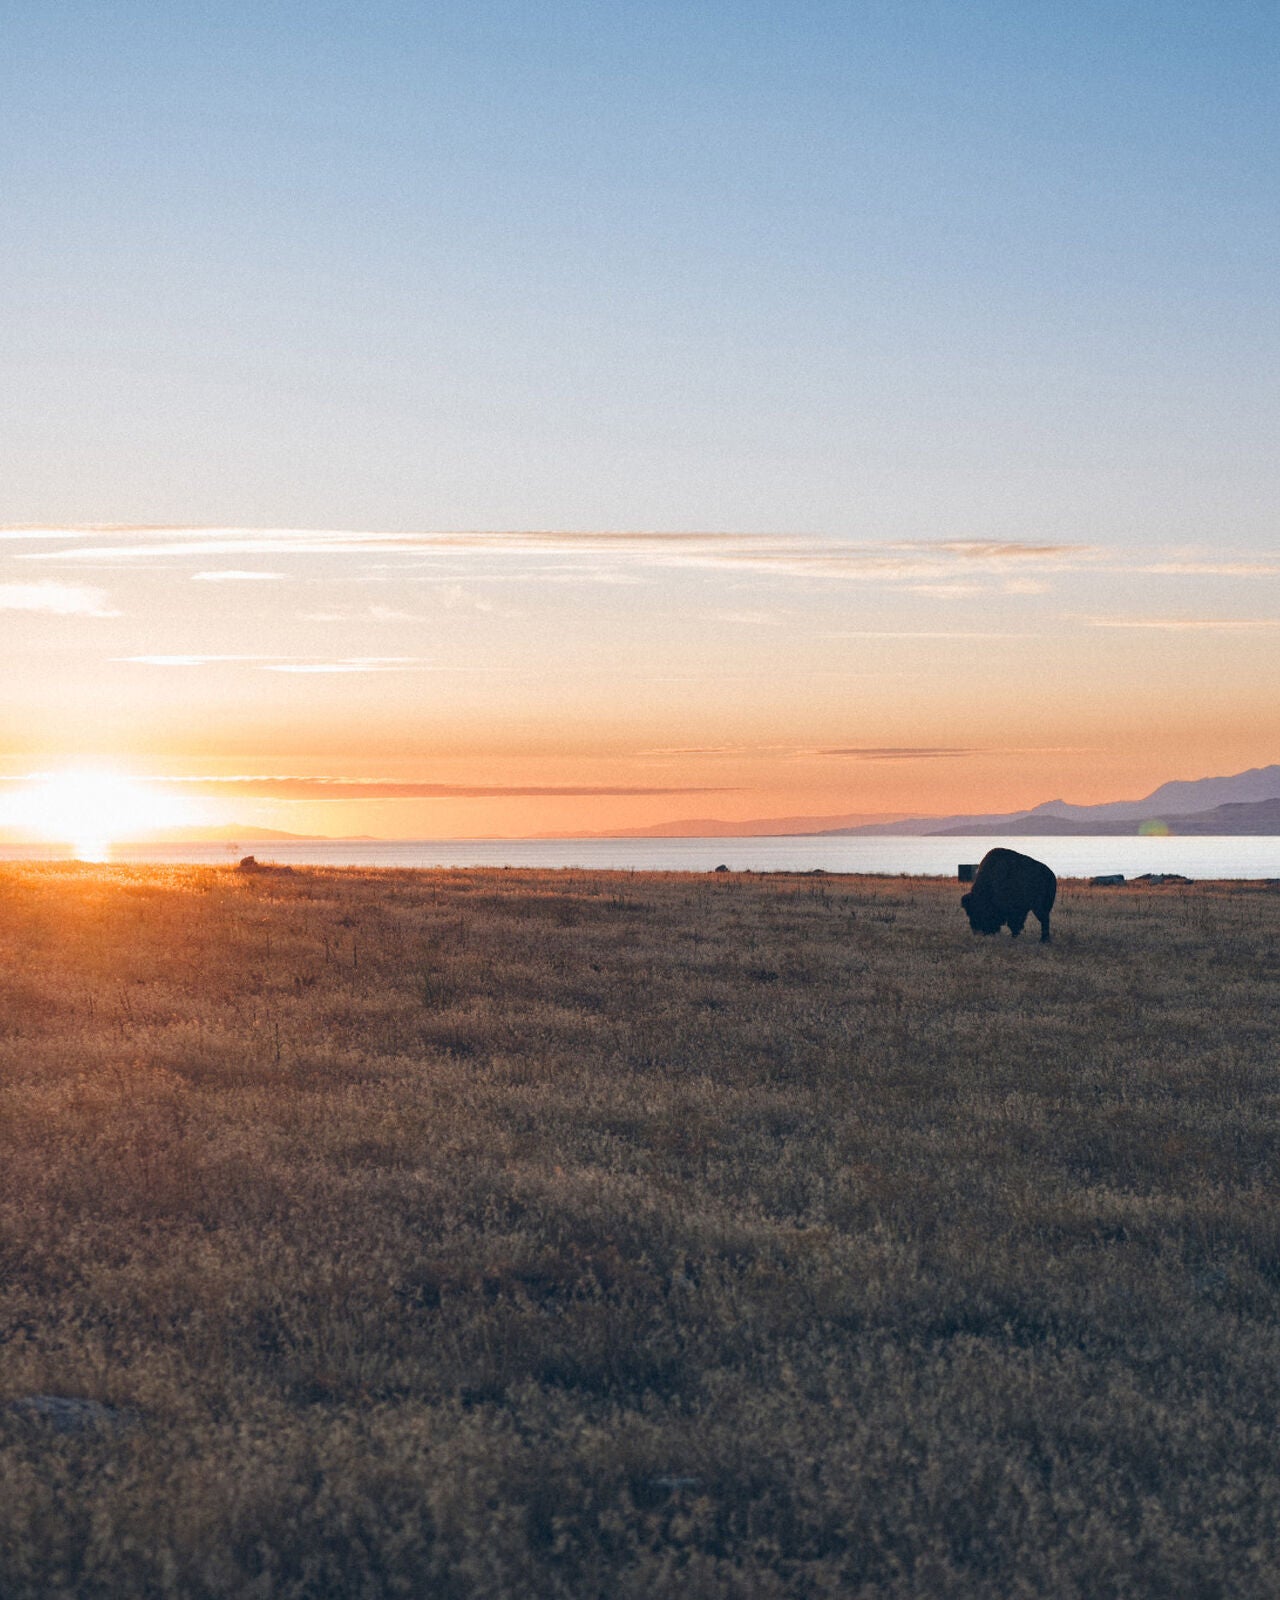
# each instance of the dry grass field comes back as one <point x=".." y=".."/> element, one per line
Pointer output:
<point x="504" y="1234"/>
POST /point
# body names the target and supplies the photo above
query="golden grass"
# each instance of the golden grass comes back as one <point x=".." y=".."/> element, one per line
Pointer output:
<point x="502" y="1233"/>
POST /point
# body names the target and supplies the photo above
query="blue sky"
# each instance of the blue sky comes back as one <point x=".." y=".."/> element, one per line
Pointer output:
<point x="908" y="270"/>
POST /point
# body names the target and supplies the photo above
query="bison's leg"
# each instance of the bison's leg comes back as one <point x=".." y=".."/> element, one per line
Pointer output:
<point x="1044" y="927"/>
<point x="1017" y="922"/>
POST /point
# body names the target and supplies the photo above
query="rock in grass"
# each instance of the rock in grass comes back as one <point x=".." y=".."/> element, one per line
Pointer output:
<point x="62" y="1413"/>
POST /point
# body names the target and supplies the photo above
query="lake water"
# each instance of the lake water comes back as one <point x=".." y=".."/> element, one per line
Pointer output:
<point x="1241" y="857"/>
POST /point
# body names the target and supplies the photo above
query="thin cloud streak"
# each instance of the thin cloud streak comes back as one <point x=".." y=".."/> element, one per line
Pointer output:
<point x="931" y="633"/>
<point x="55" y="599"/>
<point x="1212" y="569"/>
<point x="728" y="750"/>
<point x="892" y="753"/>
<point x="238" y="575"/>
<point x="891" y="561"/>
<point x="359" y="664"/>
<point x="14" y="534"/>
<point x="887" y="562"/>
<point x="1186" y="624"/>
<point x="746" y="619"/>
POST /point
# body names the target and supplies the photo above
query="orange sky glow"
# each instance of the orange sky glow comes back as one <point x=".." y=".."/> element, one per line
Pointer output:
<point x="462" y="685"/>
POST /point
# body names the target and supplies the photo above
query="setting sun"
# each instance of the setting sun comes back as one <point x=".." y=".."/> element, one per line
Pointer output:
<point x="91" y="808"/>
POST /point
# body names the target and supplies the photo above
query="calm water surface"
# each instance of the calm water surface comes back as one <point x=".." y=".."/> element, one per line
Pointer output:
<point x="1069" y="858"/>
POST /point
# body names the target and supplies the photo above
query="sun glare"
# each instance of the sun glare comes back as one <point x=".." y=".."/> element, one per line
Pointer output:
<point x="92" y="808"/>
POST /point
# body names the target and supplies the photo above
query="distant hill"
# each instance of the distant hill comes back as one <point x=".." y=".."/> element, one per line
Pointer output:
<point x="918" y="827"/>
<point x="1256" y="817"/>
<point x="717" y="828"/>
<point x="1182" y="798"/>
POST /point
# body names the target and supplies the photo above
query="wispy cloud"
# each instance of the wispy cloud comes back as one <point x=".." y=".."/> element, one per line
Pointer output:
<point x="454" y="597"/>
<point x="605" y="555"/>
<point x="56" y="599"/>
<point x="729" y="750"/>
<point x="948" y="591"/>
<point x="747" y="619"/>
<point x="282" y="663"/>
<point x="347" y="664"/>
<point x="1193" y="568"/>
<point x="919" y="633"/>
<point x="367" y="614"/>
<point x="811" y="557"/>
<point x="896" y="753"/>
<point x="16" y="533"/>
<point x="237" y="575"/>
<point x="1186" y="624"/>
<point x="394" y="614"/>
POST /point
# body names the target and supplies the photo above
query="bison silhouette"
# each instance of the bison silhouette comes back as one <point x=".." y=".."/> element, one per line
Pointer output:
<point x="1007" y="887"/>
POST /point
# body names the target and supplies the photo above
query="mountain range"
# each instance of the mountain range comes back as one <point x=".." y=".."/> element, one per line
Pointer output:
<point x="1245" y="803"/>
<point x="738" y="827"/>
<point x="1244" y="817"/>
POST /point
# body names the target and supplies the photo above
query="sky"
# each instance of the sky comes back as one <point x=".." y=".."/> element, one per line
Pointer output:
<point x="555" y="417"/>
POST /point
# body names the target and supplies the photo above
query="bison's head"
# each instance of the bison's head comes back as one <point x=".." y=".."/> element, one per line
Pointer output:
<point x="982" y="919"/>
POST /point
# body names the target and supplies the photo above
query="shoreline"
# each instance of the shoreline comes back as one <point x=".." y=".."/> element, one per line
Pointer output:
<point x="270" y="869"/>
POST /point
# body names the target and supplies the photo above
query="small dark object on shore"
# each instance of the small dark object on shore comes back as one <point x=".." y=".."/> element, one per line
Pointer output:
<point x="1106" y="880"/>
<point x="1008" y="887"/>
<point x="720" y="868"/>
<point x="967" y="871"/>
